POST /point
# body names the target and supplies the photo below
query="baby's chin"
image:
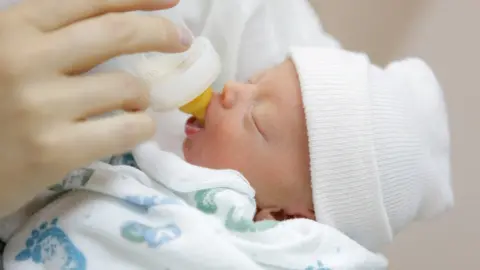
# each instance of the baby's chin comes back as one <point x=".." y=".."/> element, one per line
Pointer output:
<point x="187" y="149"/>
<point x="194" y="153"/>
<point x="191" y="153"/>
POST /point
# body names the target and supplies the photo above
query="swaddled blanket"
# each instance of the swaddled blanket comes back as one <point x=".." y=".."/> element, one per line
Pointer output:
<point x="172" y="215"/>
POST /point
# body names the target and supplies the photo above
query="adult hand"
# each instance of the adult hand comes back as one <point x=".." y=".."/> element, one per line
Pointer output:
<point x="45" y="46"/>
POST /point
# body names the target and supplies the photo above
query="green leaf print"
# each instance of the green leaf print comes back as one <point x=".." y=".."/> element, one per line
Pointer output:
<point x="240" y="225"/>
<point x="264" y="225"/>
<point x="205" y="200"/>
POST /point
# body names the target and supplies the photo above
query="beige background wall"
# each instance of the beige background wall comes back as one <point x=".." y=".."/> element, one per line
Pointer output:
<point x="446" y="33"/>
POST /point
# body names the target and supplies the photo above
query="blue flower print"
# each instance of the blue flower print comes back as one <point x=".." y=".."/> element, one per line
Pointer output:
<point x="147" y="202"/>
<point x="155" y="237"/>
<point x="50" y="246"/>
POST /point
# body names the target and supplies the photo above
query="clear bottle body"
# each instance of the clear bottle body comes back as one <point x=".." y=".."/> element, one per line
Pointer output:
<point x="176" y="80"/>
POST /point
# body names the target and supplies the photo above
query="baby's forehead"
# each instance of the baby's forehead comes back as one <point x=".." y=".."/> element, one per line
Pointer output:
<point x="280" y="83"/>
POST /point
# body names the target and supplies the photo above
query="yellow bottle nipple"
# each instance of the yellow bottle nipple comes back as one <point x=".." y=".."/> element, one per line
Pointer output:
<point x="198" y="106"/>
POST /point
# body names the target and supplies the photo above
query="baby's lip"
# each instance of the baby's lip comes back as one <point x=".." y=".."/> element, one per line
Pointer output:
<point x="193" y="126"/>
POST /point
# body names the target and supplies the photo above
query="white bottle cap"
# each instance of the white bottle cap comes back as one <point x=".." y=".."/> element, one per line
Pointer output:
<point x="174" y="78"/>
<point x="177" y="79"/>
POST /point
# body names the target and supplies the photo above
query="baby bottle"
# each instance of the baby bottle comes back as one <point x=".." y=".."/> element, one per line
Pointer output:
<point x="176" y="80"/>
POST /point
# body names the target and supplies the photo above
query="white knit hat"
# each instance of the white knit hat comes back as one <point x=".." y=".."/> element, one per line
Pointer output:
<point x="378" y="140"/>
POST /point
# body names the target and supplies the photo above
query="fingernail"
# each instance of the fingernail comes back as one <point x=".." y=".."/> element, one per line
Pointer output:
<point x="186" y="37"/>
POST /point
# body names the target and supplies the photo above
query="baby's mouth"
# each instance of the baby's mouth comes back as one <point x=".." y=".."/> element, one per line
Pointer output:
<point x="193" y="126"/>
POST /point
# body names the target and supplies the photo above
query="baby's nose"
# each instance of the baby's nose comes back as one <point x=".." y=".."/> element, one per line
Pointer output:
<point x="230" y="94"/>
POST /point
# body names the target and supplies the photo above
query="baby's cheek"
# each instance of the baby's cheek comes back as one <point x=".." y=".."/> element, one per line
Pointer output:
<point x="207" y="152"/>
<point x="223" y="144"/>
<point x="227" y="156"/>
<point x="226" y="131"/>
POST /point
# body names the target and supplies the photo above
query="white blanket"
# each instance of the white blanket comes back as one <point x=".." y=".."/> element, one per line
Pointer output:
<point x="173" y="215"/>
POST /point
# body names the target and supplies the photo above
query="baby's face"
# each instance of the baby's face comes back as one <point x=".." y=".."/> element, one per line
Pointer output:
<point x="258" y="128"/>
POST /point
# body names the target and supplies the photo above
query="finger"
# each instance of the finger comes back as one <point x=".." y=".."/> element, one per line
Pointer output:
<point x="82" y="97"/>
<point x="48" y="15"/>
<point x="95" y="139"/>
<point x="86" y="44"/>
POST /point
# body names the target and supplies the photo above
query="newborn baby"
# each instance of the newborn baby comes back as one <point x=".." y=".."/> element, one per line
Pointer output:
<point x="325" y="139"/>
<point x="327" y="136"/>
